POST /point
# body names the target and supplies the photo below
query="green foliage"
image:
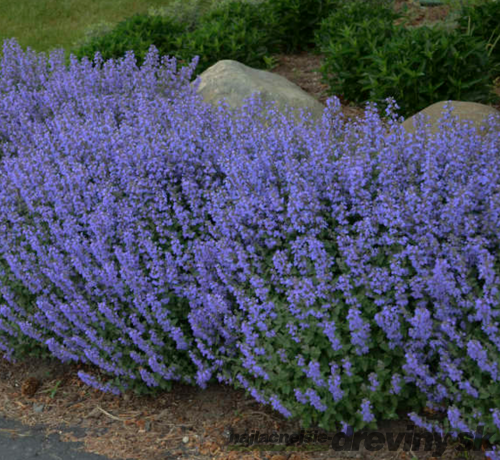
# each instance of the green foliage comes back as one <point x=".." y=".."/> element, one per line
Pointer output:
<point x="234" y="30"/>
<point x="345" y="47"/>
<point x="239" y="31"/>
<point x="186" y="12"/>
<point x="189" y="12"/>
<point x="368" y="57"/>
<point x="483" y="21"/>
<point x="299" y="19"/>
<point x="137" y="33"/>
<point x="26" y="347"/>
<point x="373" y="60"/>
<point x="424" y="66"/>
<point x="355" y="11"/>
<point x="363" y="27"/>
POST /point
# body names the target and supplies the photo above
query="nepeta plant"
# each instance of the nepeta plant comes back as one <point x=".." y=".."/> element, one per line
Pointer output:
<point x="364" y="271"/>
<point x="101" y="199"/>
<point x="335" y="273"/>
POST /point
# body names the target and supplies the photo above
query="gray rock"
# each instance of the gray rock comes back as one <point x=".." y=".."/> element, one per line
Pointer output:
<point x="236" y="82"/>
<point x="477" y="113"/>
<point x="38" y="408"/>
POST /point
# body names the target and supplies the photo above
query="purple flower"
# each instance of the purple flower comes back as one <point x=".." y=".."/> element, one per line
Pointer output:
<point x="496" y="417"/>
<point x="346" y="364"/>
<point x="92" y="381"/>
<point x="277" y="405"/>
<point x="422" y="325"/>
<point x="396" y="384"/>
<point x="454" y="417"/>
<point x="374" y="383"/>
<point x="315" y="400"/>
<point x="480" y="356"/>
<point x="360" y="331"/>
<point x="346" y="429"/>
<point x="329" y="330"/>
<point x="313" y="372"/>
<point x="366" y="408"/>
<point x="148" y="378"/>
<point x="334" y="383"/>
<point x="302" y="398"/>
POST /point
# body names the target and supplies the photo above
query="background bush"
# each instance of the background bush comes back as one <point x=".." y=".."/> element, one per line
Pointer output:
<point x="93" y="32"/>
<point x="373" y="59"/>
<point x="245" y="32"/>
<point x="189" y="12"/>
<point x="347" y="38"/>
<point x="298" y="19"/>
<point x="239" y="31"/>
<point x="483" y="21"/>
<point x="367" y="57"/>
<point x="137" y="34"/>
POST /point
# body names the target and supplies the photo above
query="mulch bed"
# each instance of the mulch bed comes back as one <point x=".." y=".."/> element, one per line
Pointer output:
<point x="185" y="423"/>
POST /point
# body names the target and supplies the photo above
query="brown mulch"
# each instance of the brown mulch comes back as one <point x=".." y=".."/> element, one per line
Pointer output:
<point x="186" y="422"/>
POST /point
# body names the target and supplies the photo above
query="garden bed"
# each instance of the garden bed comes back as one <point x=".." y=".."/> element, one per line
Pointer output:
<point x="147" y="428"/>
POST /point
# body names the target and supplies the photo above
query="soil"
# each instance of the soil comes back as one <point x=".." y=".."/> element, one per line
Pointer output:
<point x="187" y="422"/>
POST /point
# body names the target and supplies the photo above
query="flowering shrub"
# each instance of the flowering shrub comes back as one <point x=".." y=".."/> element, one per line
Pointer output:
<point x="333" y="272"/>
<point x="366" y="270"/>
<point x="101" y="197"/>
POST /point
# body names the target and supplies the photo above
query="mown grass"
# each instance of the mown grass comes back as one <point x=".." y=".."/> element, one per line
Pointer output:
<point x="44" y="25"/>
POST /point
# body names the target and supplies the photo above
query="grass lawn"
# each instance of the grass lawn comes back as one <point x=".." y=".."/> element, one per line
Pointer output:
<point x="44" y="25"/>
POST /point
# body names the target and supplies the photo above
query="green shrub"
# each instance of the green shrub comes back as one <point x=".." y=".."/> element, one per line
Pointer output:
<point x="374" y="60"/>
<point x="483" y="21"/>
<point x="299" y="19"/>
<point x="136" y="33"/>
<point x="234" y="30"/>
<point x="353" y="15"/>
<point x="239" y="31"/>
<point x="345" y="47"/>
<point x="189" y="12"/>
<point x="354" y="11"/>
<point x="424" y="66"/>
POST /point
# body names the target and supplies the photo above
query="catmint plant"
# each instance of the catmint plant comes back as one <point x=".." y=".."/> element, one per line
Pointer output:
<point x="334" y="271"/>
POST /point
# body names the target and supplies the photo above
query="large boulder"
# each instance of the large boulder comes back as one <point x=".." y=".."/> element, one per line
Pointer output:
<point x="477" y="113"/>
<point x="236" y="82"/>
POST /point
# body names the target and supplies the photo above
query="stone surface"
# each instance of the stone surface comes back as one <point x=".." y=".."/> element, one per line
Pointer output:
<point x="477" y="113"/>
<point x="236" y="82"/>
